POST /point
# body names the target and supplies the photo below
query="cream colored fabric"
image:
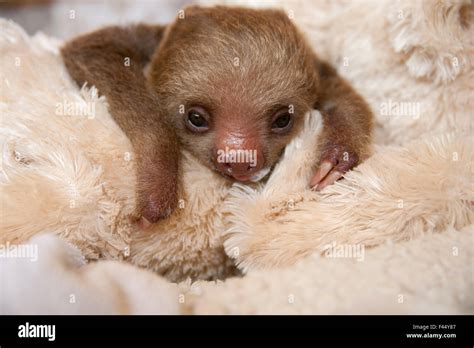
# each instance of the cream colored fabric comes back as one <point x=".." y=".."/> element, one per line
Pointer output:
<point x="73" y="176"/>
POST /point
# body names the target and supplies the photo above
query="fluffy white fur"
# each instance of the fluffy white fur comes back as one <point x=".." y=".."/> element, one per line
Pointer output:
<point x="398" y="194"/>
<point x="416" y="189"/>
<point x="60" y="282"/>
<point x="428" y="275"/>
<point x="424" y="276"/>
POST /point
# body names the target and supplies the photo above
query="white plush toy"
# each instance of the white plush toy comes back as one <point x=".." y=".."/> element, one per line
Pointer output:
<point x="73" y="176"/>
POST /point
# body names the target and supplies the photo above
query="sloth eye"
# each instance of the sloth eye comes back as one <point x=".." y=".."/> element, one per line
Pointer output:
<point x="197" y="119"/>
<point x="282" y="122"/>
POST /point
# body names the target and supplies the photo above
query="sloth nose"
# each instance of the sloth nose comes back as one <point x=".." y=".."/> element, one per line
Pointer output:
<point x="240" y="171"/>
<point x="241" y="163"/>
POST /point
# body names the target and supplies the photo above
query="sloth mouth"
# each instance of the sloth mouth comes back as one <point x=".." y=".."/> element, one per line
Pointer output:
<point x="241" y="178"/>
<point x="233" y="177"/>
<point x="256" y="177"/>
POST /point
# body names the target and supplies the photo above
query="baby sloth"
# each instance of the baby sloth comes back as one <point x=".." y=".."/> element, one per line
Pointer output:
<point x="218" y="81"/>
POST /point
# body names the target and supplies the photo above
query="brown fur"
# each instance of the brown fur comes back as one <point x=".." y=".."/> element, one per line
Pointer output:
<point x="347" y="118"/>
<point x="241" y="65"/>
<point x="99" y="59"/>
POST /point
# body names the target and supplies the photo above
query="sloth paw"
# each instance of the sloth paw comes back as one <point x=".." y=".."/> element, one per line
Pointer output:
<point x="155" y="204"/>
<point x="335" y="161"/>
